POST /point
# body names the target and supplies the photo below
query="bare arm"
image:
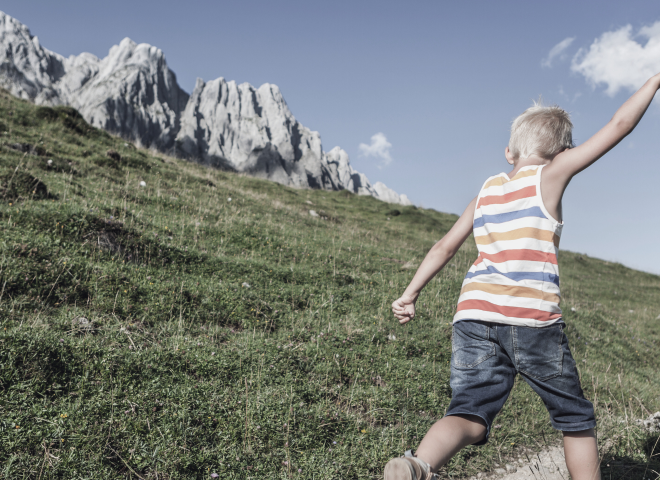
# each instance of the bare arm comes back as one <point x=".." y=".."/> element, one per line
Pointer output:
<point x="438" y="256"/>
<point x="559" y="172"/>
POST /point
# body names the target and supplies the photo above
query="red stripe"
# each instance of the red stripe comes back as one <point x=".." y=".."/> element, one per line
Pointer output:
<point x="517" y="312"/>
<point x="521" y="254"/>
<point x="508" y="197"/>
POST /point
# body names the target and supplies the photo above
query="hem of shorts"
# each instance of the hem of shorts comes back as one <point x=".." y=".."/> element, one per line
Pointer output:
<point x="574" y="427"/>
<point x="485" y="440"/>
<point x="516" y="323"/>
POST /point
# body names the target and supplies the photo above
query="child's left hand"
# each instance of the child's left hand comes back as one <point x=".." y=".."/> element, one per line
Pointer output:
<point x="404" y="309"/>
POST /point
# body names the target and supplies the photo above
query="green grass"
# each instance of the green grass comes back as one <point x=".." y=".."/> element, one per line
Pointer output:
<point x="183" y="370"/>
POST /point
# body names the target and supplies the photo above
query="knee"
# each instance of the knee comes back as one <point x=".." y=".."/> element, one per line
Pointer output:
<point x="475" y="427"/>
<point x="590" y="433"/>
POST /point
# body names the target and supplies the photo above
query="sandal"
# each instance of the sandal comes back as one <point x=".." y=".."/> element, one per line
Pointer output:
<point x="408" y="467"/>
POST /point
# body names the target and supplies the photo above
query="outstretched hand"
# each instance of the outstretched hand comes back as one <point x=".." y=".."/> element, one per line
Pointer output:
<point x="404" y="310"/>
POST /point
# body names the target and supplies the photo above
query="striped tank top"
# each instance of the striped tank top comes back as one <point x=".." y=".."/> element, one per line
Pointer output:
<point x="515" y="279"/>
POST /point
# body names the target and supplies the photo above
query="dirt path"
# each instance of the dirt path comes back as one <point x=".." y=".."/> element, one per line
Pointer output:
<point x="547" y="465"/>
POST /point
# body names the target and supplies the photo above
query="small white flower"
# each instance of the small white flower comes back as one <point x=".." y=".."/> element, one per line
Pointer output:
<point x="143" y="183"/>
<point x="246" y="285"/>
<point x="229" y="199"/>
<point x="49" y="162"/>
<point x="573" y="309"/>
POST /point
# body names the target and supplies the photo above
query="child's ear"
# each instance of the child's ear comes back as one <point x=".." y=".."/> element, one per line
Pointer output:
<point x="509" y="156"/>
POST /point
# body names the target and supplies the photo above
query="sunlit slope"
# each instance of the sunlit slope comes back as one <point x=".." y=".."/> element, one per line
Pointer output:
<point x="206" y="322"/>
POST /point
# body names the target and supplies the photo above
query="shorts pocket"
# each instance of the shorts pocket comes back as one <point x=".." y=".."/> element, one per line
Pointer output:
<point x="539" y="351"/>
<point x="470" y="344"/>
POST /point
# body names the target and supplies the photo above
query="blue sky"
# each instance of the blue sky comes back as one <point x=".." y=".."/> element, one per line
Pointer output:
<point x="440" y="81"/>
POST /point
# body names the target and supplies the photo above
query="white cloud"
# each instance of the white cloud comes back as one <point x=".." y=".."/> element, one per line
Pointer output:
<point x="618" y="60"/>
<point x="558" y="50"/>
<point x="379" y="148"/>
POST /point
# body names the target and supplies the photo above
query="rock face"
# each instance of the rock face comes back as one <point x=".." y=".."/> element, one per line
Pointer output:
<point x="253" y="131"/>
<point x="130" y="92"/>
<point x="134" y="94"/>
<point x="388" y="195"/>
<point x="27" y="70"/>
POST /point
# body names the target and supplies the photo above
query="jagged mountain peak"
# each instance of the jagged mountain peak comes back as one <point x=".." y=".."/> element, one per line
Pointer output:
<point x="130" y="53"/>
<point x="132" y="92"/>
<point x="27" y="69"/>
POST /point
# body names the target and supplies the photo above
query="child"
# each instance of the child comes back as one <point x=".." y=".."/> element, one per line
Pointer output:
<point x="508" y="319"/>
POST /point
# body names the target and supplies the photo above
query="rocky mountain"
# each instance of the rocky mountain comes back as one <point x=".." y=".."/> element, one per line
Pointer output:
<point x="133" y="93"/>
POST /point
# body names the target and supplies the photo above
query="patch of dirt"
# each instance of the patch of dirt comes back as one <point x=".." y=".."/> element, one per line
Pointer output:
<point x="546" y="465"/>
<point x="113" y="155"/>
<point x="22" y="186"/>
<point x="113" y="237"/>
<point x="109" y="240"/>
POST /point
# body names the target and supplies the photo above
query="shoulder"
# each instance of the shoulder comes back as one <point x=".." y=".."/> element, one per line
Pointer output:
<point x="495" y="180"/>
<point x="528" y="171"/>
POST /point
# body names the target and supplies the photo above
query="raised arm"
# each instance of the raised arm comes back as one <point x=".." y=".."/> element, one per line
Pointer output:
<point x="438" y="256"/>
<point x="570" y="162"/>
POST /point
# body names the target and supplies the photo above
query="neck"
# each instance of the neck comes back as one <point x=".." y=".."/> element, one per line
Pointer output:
<point x="531" y="160"/>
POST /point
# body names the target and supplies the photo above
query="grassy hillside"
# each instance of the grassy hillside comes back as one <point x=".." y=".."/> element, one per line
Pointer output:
<point x="207" y="323"/>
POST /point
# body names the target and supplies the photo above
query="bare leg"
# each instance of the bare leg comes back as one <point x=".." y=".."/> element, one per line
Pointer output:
<point x="449" y="435"/>
<point x="581" y="452"/>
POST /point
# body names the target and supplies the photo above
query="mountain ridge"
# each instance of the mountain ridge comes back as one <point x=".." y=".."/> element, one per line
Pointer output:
<point x="133" y="93"/>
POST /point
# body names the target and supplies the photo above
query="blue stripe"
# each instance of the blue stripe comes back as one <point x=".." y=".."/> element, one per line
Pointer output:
<point x="517" y="276"/>
<point x="506" y="217"/>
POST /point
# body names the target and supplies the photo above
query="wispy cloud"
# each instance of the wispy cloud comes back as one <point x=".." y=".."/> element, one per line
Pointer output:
<point x="568" y="97"/>
<point x="558" y="51"/>
<point x="618" y="60"/>
<point x="378" y="148"/>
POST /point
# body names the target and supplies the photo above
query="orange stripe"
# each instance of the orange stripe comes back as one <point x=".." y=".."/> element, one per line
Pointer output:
<point x="526" y="232"/>
<point x="518" y="254"/>
<point x="517" y="312"/>
<point x="508" y="197"/>
<point x="510" y="290"/>
<point x="524" y="173"/>
<point x="498" y="181"/>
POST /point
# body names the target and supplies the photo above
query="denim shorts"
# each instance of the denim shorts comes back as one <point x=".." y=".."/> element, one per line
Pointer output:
<point x="486" y="358"/>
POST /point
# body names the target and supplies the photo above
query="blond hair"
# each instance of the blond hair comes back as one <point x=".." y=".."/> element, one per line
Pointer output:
<point x="540" y="130"/>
